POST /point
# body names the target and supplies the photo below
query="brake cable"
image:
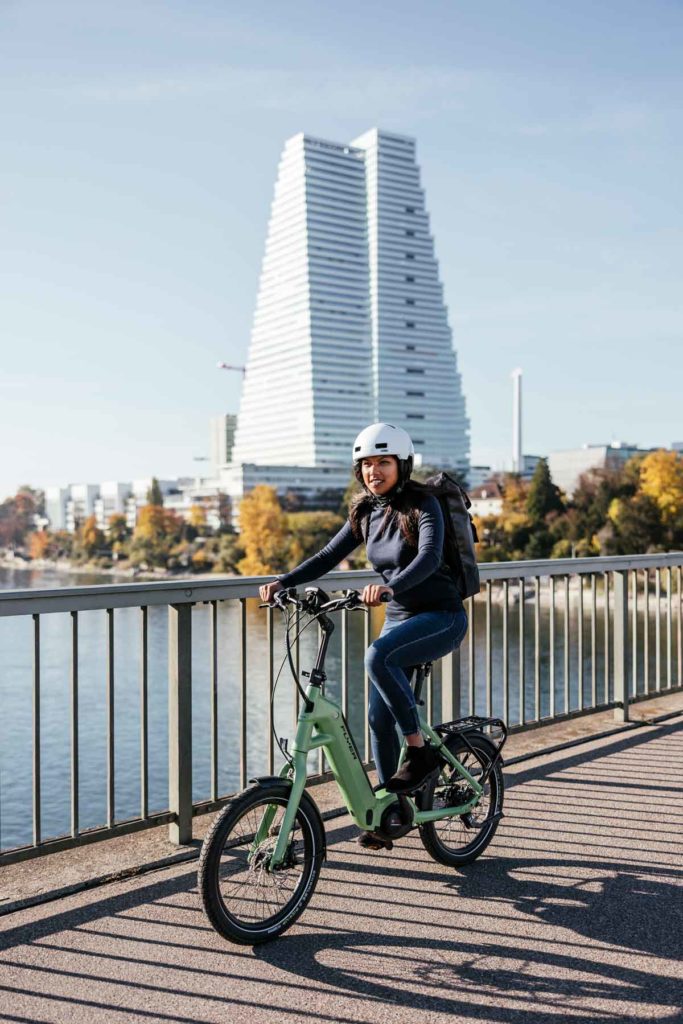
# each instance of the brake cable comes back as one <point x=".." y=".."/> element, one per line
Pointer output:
<point x="288" y="657"/>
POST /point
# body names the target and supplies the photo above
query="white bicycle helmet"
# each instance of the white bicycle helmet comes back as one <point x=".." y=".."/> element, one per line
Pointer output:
<point x="384" y="439"/>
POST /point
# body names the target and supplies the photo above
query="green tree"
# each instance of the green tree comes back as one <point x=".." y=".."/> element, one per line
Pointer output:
<point x="543" y="496"/>
<point x="309" y="531"/>
<point x="228" y="553"/>
<point x="638" y="525"/>
<point x="154" y="495"/>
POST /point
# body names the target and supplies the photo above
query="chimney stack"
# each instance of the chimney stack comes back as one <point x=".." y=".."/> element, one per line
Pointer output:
<point x="517" y="457"/>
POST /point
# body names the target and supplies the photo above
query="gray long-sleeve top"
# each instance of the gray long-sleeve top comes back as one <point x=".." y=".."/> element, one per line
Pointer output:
<point x="418" y="575"/>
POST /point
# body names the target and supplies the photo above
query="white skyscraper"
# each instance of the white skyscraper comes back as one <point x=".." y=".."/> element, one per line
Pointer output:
<point x="350" y="323"/>
<point x="416" y="384"/>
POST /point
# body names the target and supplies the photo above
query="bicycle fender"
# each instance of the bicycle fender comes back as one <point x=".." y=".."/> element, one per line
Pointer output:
<point x="271" y="780"/>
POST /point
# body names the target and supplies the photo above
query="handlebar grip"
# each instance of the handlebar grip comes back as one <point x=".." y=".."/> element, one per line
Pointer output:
<point x="384" y="598"/>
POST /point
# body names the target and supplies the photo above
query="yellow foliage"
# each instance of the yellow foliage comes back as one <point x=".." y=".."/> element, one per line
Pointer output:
<point x="38" y="544"/>
<point x="514" y="521"/>
<point x="661" y="478"/>
<point x="92" y="537"/>
<point x="615" y="510"/>
<point x="262" y="532"/>
<point x="197" y="517"/>
<point x="156" y="523"/>
<point x="515" y="493"/>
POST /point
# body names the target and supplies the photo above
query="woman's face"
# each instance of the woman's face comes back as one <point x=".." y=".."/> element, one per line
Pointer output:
<point x="380" y="473"/>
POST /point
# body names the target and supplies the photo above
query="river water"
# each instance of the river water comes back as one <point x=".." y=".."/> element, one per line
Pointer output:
<point x="16" y="714"/>
<point x="16" y="673"/>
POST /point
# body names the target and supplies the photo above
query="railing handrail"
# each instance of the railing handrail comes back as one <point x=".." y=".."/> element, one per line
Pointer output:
<point x="193" y="591"/>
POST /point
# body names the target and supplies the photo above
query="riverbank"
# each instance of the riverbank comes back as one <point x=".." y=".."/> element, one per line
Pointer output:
<point x="64" y="566"/>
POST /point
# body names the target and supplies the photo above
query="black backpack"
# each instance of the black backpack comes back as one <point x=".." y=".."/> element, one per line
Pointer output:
<point x="460" y="534"/>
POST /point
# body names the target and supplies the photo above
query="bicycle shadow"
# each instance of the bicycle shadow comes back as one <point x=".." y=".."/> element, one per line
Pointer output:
<point x="617" y="905"/>
<point x="470" y="980"/>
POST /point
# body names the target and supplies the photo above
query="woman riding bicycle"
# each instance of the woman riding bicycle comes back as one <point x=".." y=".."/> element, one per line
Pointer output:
<point x="402" y="525"/>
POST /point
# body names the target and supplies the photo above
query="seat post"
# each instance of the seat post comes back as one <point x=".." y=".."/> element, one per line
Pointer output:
<point x="421" y="672"/>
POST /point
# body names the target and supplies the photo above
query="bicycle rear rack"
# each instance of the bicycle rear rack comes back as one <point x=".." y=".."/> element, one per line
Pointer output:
<point x="497" y="727"/>
<point x="494" y="729"/>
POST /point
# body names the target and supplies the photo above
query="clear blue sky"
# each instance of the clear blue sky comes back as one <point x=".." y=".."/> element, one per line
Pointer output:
<point x="140" y="143"/>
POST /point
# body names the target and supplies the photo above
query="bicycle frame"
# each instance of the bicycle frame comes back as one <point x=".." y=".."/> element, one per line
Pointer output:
<point x="321" y="723"/>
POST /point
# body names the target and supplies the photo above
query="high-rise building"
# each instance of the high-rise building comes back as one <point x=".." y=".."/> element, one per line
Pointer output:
<point x="416" y="383"/>
<point x="350" y="323"/>
<point x="221" y="440"/>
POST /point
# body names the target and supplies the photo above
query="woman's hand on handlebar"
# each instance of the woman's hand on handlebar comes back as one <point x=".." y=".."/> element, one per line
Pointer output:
<point x="269" y="590"/>
<point x="372" y="594"/>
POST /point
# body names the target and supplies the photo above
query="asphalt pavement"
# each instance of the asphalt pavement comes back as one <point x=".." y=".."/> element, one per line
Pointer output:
<point x="574" y="913"/>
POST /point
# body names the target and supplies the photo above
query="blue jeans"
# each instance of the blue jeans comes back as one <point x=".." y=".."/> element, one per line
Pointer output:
<point x="402" y="644"/>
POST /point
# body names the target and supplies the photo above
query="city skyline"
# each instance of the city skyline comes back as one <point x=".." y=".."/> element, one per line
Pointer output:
<point x="136" y="206"/>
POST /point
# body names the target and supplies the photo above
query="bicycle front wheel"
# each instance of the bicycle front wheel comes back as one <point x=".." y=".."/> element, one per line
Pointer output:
<point x="244" y="899"/>
<point x="459" y="840"/>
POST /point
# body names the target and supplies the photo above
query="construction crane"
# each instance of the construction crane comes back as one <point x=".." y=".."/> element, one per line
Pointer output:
<point x="227" y="366"/>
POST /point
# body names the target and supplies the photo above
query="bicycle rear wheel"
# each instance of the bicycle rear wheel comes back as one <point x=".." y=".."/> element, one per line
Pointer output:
<point x="459" y="840"/>
<point x="244" y="900"/>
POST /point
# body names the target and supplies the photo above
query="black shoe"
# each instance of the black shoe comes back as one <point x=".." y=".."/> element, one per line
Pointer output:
<point x="419" y="764"/>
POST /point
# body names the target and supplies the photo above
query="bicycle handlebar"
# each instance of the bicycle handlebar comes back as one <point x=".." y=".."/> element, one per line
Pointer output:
<point x="317" y="600"/>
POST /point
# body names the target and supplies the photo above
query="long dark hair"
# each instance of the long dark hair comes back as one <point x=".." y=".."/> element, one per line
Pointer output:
<point x="403" y="508"/>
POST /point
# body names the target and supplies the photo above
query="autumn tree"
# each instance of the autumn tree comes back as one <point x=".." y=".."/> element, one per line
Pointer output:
<point x="39" y="544"/>
<point x="156" y="531"/>
<point x="117" y="528"/>
<point x="90" y="536"/>
<point x="514" y="517"/>
<point x="661" y="478"/>
<point x="262" y="532"/>
<point x="17" y="516"/>
<point x="197" y="517"/>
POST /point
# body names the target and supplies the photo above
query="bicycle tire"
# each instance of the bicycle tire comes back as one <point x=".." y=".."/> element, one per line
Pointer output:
<point x="451" y="841"/>
<point x="236" y="889"/>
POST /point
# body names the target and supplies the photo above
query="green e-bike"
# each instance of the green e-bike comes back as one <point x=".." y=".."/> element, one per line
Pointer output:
<point x="262" y="856"/>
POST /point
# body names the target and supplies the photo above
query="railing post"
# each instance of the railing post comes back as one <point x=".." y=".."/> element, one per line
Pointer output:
<point x="621" y="645"/>
<point x="180" y="722"/>
<point x="450" y="686"/>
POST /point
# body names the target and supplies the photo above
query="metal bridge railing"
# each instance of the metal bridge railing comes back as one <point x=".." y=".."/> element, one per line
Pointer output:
<point x="547" y="640"/>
